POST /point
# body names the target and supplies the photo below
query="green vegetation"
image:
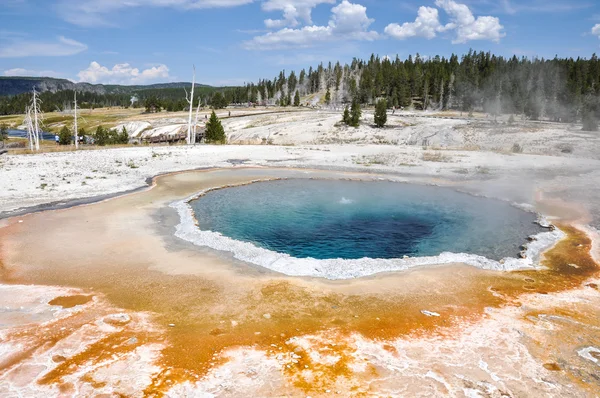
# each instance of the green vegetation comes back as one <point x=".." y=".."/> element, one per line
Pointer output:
<point x="154" y="100"/>
<point x="3" y="132"/>
<point x="381" y="113"/>
<point x="297" y="98"/>
<point x="101" y="136"/>
<point x="590" y="123"/>
<point x="123" y="137"/>
<point x="215" y="134"/>
<point x="152" y="104"/>
<point x="355" y="113"/>
<point x="218" y="101"/>
<point x="64" y="136"/>
<point x="558" y="89"/>
<point x="351" y="117"/>
<point x="516" y="148"/>
<point x="105" y="136"/>
<point x="346" y="116"/>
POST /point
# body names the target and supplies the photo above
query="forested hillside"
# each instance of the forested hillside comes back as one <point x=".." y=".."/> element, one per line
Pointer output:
<point x="559" y="89"/>
<point x="556" y="89"/>
<point x="171" y="99"/>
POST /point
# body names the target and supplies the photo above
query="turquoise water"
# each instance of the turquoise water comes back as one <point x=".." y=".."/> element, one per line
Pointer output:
<point x="349" y="219"/>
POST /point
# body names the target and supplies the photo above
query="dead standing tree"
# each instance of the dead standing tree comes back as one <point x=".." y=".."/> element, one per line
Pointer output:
<point x="75" y="133"/>
<point x="29" y="123"/>
<point x="191" y="139"/>
<point x="36" y="118"/>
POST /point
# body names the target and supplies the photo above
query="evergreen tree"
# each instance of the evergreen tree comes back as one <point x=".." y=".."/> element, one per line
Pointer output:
<point x="64" y="136"/>
<point x="590" y="123"/>
<point x="297" y="98"/>
<point x="532" y="109"/>
<point x="152" y="104"/>
<point x="381" y="113"/>
<point x="355" y="113"/>
<point x="3" y="132"/>
<point x="101" y="136"/>
<point x="113" y="137"/>
<point x="346" y="116"/>
<point x="590" y="109"/>
<point x="123" y="136"/>
<point x="215" y="134"/>
<point x="218" y="101"/>
<point x="328" y="97"/>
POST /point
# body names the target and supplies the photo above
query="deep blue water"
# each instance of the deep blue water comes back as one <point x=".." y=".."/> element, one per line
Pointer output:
<point x="350" y="219"/>
<point x="23" y="134"/>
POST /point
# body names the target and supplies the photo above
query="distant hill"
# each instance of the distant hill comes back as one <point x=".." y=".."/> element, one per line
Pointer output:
<point x="19" y="85"/>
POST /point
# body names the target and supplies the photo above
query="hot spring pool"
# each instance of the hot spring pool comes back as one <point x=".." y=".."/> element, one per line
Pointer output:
<point x="335" y="219"/>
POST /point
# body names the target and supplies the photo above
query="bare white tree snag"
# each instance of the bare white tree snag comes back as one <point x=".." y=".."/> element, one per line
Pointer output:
<point x="29" y="125"/>
<point x="36" y="109"/>
<point x="190" y="100"/>
<point x="75" y="124"/>
<point x="36" y="126"/>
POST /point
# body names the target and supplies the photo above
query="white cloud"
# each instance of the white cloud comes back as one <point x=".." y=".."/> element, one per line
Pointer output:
<point x="426" y="25"/>
<point x="462" y="21"/>
<point x="351" y="20"/>
<point x="293" y="10"/>
<point x="123" y="74"/>
<point x="596" y="30"/>
<point x="94" y="12"/>
<point x="19" y="48"/>
<point x="348" y="21"/>
<point x="467" y="26"/>
<point x="29" y="72"/>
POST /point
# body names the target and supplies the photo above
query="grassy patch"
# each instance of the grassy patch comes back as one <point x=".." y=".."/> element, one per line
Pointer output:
<point x="436" y="157"/>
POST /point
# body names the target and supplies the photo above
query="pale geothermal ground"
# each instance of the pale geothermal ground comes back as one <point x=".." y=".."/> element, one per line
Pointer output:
<point x="103" y="299"/>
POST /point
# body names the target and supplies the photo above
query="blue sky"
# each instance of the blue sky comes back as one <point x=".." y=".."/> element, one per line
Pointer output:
<point x="236" y="41"/>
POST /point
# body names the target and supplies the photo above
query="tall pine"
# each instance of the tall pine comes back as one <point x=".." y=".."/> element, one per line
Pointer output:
<point x="215" y="134"/>
<point x="346" y="116"/>
<point x="297" y="98"/>
<point x="381" y="113"/>
<point x="355" y="113"/>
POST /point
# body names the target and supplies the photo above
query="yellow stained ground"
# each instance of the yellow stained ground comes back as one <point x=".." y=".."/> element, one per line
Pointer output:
<point x="207" y="303"/>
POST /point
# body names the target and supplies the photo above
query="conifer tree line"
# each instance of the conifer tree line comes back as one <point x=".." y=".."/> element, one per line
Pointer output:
<point x="559" y="89"/>
<point x="169" y="99"/>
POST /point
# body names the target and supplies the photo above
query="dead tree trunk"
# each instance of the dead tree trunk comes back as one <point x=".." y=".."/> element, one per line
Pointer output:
<point x="190" y="100"/>
<point x="75" y="132"/>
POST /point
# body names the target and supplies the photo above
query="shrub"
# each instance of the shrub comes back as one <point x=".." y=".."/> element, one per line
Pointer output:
<point x="516" y="148"/>
<point x="436" y="157"/>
